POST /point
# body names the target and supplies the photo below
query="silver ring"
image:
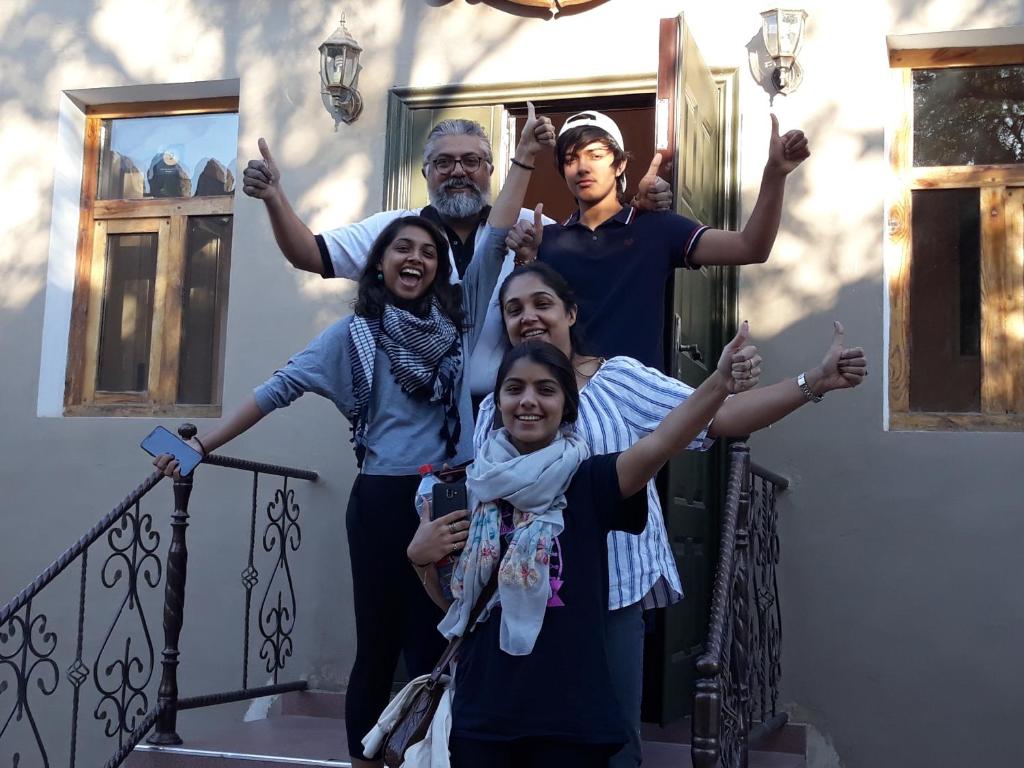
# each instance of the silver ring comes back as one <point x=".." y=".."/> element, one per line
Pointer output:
<point x="454" y="546"/>
<point x="451" y="528"/>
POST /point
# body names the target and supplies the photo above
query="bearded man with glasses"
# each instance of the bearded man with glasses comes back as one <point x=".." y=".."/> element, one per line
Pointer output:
<point x="457" y="165"/>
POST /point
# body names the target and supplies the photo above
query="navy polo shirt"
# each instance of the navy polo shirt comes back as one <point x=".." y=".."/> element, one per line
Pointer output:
<point x="618" y="272"/>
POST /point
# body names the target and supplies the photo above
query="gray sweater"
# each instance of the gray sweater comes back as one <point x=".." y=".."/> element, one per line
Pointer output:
<point x="402" y="433"/>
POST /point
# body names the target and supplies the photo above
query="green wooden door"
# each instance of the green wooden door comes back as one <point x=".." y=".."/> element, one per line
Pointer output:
<point x="689" y="128"/>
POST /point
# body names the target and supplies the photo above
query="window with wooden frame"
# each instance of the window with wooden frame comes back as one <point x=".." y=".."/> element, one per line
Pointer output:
<point x="955" y="246"/>
<point x="154" y="250"/>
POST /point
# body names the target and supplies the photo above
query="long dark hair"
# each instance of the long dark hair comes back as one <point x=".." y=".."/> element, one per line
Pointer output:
<point x="551" y="357"/>
<point x="372" y="294"/>
<point x="553" y="280"/>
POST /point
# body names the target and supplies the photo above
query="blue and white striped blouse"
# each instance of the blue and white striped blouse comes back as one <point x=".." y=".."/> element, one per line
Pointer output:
<point x="624" y="401"/>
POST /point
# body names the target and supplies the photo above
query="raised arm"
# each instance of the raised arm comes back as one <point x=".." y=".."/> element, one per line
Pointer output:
<point x="738" y="369"/>
<point x="537" y="134"/>
<point x="225" y="430"/>
<point x="262" y="180"/>
<point x="747" y="412"/>
<point x="754" y="243"/>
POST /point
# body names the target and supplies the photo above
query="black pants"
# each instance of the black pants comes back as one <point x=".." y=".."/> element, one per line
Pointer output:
<point x="527" y="753"/>
<point x="393" y="612"/>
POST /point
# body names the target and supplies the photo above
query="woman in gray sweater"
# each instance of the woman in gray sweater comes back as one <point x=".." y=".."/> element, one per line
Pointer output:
<point x="395" y="368"/>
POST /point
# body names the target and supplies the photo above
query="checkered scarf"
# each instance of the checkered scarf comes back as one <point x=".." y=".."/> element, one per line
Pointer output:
<point x="426" y="361"/>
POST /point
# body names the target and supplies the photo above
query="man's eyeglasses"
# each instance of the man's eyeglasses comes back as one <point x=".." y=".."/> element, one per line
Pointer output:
<point x="445" y="164"/>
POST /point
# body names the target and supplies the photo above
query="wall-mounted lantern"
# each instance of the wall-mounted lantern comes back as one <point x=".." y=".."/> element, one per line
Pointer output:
<point x="773" y="64"/>
<point x="339" y="75"/>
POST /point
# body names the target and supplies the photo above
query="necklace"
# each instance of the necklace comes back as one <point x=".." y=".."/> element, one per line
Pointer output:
<point x="584" y="374"/>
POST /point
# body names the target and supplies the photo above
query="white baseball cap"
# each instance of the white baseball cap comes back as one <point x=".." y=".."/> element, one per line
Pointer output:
<point x="596" y="119"/>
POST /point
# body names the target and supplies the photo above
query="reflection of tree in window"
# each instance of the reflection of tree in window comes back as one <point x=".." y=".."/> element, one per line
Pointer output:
<point x="120" y="178"/>
<point x="167" y="177"/>
<point x="969" y="115"/>
<point x="214" y="178"/>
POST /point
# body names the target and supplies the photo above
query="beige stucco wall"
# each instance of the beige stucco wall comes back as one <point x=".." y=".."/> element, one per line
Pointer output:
<point x="901" y="615"/>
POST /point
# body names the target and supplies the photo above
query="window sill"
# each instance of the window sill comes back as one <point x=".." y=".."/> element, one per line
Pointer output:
<point x="956" y="422"/>
<point x="144" y="410"/>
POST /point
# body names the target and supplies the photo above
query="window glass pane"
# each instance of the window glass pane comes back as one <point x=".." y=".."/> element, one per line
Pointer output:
<point x="127" y="313"/>
<point x="969" y="115"/>
<point x="945" y="301"/>
<point x="207" y="260"/>
<point x="175" y="156"/>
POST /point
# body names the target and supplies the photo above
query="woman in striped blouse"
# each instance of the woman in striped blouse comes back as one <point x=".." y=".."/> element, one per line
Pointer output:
<point x="621" y="401"/>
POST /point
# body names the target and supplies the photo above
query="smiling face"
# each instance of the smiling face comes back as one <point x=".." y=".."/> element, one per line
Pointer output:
<point x="409" y="263"/>
<point x="459" y="194"/>
<point x="532" y="311"/>
<point x="531" y="403"/>
<point x="591" y="172"/>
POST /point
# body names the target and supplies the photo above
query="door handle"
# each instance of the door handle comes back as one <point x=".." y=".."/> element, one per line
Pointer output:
<point x="693" y="351"/>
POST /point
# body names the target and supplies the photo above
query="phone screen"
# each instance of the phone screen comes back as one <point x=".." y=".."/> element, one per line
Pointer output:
<point x="161" y="440"/>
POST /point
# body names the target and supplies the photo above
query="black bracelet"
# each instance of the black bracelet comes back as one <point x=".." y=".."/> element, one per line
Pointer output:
<point x="524" y="166"/>
<point x="203" y="447"/>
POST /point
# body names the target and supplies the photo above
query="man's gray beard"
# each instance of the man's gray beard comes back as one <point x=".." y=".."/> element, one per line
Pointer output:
<point x="459" y="205"/>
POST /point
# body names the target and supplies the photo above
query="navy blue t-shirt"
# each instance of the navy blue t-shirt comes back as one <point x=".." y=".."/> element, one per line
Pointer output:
<point x="618" y="273"/>
<point x="562" y="690"/>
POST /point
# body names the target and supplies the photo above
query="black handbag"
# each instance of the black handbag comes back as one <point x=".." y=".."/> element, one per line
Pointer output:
<point x="414" y="721"/>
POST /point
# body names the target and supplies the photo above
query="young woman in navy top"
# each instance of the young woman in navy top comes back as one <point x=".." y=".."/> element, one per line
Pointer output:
<point x="533" y="686"/>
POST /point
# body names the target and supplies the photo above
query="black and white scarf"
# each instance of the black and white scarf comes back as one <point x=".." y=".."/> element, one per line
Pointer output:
<point x="426" y="360"/>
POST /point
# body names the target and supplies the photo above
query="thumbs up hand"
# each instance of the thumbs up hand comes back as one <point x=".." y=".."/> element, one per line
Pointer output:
<point x="538" y="132"/>
<point x="740" y="364"/>
<point x="261" y="179"/>
<point x="653" y="192"/>
<point x="842" y="367"/>
<point x="787" y="151"/>
<point x="525" y="237"/>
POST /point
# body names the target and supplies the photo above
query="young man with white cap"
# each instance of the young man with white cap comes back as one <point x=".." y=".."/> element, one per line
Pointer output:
<point x="618" y="264"/>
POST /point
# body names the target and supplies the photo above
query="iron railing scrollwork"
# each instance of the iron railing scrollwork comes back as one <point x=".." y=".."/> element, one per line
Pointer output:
<point x="737" y="689"/>
<point x="121" y="669"/>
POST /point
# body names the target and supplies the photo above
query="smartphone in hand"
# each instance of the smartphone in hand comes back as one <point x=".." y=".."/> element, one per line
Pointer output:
<point x="448" y="497"/>
<point x="161" y="440"/>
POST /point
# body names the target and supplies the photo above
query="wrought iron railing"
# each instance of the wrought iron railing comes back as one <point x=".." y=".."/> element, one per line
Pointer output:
<point x="737" y="690"/>
<point x="122" y="668"/>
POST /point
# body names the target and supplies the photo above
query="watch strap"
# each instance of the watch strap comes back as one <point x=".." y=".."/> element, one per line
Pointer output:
<point x="801" y="382"/>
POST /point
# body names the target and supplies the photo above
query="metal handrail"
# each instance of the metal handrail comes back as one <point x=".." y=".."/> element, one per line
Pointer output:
<point x="738" y="674"/>
<point x="133" y="563"/>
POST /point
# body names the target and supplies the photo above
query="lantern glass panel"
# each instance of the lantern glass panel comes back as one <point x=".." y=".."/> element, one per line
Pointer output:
<point x="333" y="64"/>
<point x="791" y="25"/>
<point x="770" y="32"/>
<point x="350" y="64"/>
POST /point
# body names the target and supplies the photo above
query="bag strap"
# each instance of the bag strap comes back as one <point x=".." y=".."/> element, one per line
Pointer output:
<point x="474" y="614"/>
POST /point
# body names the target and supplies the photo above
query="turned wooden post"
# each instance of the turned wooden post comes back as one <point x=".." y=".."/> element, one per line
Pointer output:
<point x="174" y="608"/>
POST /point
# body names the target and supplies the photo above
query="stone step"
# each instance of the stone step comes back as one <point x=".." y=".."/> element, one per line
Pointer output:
<point x="275" y="741"/>
<point x="307" y="729"/>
